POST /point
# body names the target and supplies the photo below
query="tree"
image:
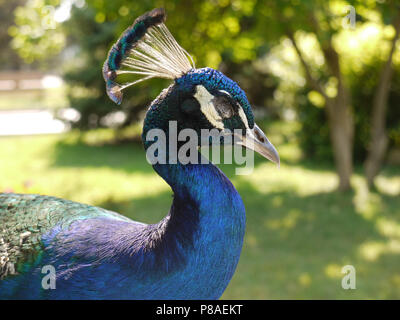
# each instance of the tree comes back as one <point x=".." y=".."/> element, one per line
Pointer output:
<point x="379" y="139"/>
<point x="318" y="17"/>
<point x="324" y="19"/>
<point x="37" y="36"/>
<point x="9" y="60"/>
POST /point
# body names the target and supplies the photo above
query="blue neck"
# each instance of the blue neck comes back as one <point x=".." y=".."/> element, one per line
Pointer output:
<point x="206" y="224"/>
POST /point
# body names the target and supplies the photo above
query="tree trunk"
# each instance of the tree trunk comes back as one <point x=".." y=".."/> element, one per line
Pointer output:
<point x="341" y="133"/>
<point x="341" y="121"/>
<point x="379" y="140"/>
<point x="340" y="118"/>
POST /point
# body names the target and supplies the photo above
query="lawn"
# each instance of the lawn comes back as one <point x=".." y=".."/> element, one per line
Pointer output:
<point x="300" y="231"/>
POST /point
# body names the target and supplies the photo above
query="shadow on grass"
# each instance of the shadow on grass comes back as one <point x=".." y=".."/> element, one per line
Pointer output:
<point x="129" y="157"/>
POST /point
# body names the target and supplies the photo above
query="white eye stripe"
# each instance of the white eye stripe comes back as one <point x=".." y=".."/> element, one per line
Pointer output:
<point x="207" y="107"/>
<point x="242" y="116"/>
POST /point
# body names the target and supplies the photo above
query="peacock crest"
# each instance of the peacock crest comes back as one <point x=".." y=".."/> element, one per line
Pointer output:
<point x="147" y="50"/>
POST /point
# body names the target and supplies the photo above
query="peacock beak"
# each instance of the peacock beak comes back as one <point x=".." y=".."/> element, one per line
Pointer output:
<point x="255" y="139"/>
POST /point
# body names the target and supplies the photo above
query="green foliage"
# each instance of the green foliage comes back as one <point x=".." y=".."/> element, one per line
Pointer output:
<point x="83" y="71"/>
<point x="9" y="60"/>
<point x="362" y="52"/>
<point x="36" y="34"/>
<point x="314" y="134"/>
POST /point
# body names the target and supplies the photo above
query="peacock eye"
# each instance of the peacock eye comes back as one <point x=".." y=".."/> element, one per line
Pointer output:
<point x="224" y="107"/>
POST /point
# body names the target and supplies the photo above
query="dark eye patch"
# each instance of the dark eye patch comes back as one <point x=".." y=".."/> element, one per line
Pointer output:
<point x="224" y="106"/>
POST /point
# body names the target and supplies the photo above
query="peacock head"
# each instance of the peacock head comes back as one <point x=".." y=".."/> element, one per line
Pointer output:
<point x="199" y="99"/>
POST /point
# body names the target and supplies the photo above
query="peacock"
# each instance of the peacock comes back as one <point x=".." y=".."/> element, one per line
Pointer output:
<point x="52" y="248"/>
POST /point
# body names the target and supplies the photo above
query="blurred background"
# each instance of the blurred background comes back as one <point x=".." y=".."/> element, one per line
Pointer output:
<point x="323" y="78"/>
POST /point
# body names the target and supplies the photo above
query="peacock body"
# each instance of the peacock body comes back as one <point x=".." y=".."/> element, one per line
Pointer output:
<point x="98" y="254"/>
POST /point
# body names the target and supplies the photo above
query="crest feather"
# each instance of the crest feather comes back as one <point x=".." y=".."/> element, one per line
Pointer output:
<point x="147" y="50"/>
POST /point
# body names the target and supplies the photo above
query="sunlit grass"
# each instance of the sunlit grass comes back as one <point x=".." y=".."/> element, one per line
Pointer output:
<point x="300" y="230"/>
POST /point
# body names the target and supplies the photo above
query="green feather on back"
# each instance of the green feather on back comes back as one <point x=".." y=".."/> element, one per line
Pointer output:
<point x="24" y="219"/>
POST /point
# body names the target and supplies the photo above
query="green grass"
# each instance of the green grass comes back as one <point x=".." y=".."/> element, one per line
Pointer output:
<point x="300" y="231"/>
